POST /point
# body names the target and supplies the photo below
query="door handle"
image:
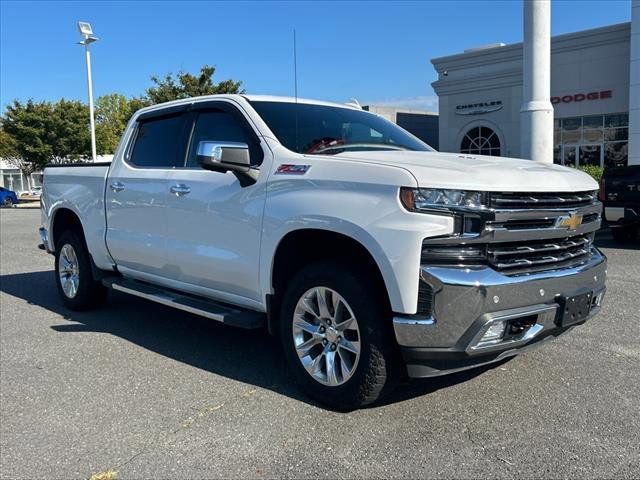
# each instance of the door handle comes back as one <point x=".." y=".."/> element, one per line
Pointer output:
<point x="180" y="189"/>
<point x="117" y="186"/>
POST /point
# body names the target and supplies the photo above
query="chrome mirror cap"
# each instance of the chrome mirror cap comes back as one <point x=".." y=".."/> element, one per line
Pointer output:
<point x="224" y="156"/>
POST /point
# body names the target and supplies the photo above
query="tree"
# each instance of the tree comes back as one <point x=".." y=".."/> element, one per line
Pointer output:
<point x="37" y="133"/>
<point x="186" y="85"/>
<point x="70" y="137"/>
<point x="113" y="112"/>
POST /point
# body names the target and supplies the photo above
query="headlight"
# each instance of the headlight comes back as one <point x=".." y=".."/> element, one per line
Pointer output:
<point x="425" y="199"/>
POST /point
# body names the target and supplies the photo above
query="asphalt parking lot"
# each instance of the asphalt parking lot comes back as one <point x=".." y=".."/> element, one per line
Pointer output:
<point x="155" y="393"/>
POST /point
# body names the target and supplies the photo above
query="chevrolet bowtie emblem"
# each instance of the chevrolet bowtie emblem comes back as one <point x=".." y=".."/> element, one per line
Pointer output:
<point x="570" y="222"/>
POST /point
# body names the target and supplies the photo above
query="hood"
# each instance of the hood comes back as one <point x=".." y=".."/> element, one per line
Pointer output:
<point x="479" y="172"/>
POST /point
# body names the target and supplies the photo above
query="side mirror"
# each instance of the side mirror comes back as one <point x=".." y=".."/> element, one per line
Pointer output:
<point x="224" y="156"/>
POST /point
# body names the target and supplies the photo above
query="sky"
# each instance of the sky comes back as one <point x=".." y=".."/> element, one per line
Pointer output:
<point x="376" y="52"/>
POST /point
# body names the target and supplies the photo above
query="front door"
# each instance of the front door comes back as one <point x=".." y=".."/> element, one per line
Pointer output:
<point x="136" y="194"/>
<point x="214" y="218"/>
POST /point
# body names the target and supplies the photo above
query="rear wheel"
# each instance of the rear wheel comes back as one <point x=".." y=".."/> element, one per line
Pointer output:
<point x="7" y="202"/>
<point x="78" y="289"/>
<point x="336" y="335"/>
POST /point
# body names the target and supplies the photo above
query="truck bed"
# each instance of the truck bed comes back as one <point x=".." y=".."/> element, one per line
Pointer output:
<point x="78" y="164"/>
<point x="79" y="187"/>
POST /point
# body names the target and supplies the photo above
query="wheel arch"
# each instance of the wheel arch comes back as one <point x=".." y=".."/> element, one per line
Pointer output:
<point x="64" y="219"/>
<point x="303" y="246"/>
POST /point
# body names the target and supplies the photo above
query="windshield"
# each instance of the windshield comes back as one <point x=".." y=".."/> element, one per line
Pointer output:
<point x="329" y="130"/>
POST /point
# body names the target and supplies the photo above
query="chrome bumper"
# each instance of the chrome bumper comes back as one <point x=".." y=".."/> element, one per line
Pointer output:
<point x="467" y="301"/>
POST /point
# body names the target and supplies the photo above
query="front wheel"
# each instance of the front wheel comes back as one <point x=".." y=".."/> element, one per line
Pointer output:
<point x="7" y="202"/>
<point x="337" y="336"/>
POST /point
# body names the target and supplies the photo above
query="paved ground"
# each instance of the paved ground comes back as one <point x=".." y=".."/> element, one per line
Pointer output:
<point x="150" y="392"/>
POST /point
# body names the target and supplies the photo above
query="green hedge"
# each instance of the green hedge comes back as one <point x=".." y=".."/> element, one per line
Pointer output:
<point x="594" y="171"/>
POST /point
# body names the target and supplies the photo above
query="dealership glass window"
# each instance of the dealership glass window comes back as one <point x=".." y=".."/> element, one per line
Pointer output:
<point x="590" y="154"/>
<point x="613" y="134"/>
<point x="616" y="154"/>
<point x="592" y="140"/>
<point x="617" y="120"/>
<point x="592" y="136"/>
<point x="569" y="156"/>
<point x="572" y="136"/>
<point x="481" y="141"/>
<point x="573" y="123"/>
<point x="592" y="121"/>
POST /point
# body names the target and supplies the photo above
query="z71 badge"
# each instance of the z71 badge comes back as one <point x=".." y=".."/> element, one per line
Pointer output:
<point x="291" y="169"/>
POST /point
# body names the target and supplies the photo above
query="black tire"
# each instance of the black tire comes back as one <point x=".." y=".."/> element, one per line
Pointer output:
<point x="624" y="234"/>
<point x="7" y="202"/>
<point x="89" y="293"/>
<point x="379" y="365"/>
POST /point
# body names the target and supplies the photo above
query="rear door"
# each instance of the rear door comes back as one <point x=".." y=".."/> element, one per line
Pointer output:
<point x="215" y="218"/>
<point x="137" y="192"/>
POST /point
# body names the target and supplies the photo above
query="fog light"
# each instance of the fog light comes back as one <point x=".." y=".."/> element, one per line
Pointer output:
<point x="597" y="300"/>
<point x="493" y="334"/>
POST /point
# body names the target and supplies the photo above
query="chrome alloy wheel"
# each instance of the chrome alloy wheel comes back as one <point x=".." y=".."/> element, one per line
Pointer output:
<point x="326" y="336"/>
<point x="69" y="271"/>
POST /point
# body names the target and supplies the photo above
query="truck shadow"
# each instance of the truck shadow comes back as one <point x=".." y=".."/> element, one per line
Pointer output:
<point x="252" y="357"/>
<point x="604" y="239"/>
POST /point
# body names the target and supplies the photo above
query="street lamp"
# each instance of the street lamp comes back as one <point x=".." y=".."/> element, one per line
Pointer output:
<point x="87" y="34"/>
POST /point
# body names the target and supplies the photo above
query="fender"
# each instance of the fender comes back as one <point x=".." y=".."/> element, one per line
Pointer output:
<point x="339" y="226"/>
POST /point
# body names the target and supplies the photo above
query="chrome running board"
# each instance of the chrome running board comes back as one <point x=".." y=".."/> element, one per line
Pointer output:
<point x="227" y="314"/>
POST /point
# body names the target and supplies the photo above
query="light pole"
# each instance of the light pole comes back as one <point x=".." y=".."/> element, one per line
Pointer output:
<point x="87" y="33"/>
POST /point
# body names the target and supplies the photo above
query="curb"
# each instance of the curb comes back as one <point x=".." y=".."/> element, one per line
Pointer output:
<point x="27" y="205"/>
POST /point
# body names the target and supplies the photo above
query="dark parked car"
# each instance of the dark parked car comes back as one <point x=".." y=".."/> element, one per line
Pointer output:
<point x="620" y="193"/>
<point x="8" y="197"/>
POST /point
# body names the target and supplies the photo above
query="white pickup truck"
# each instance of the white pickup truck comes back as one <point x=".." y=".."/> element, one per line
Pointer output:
<point x="370" y="254"/>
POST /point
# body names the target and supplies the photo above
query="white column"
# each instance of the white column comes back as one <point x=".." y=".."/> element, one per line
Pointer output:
<point x="634" y="86"/>
<point x="536" y="113"/>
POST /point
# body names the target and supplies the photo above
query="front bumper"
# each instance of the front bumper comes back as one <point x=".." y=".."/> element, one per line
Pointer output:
<point x="467" y="301"/>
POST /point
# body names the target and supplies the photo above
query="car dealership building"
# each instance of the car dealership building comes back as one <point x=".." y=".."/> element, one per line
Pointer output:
<point x="480" y="97"/>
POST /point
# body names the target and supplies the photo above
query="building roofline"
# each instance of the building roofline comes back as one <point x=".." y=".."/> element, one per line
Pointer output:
<point x="401" y="109"/>
<point x="583" y="37"/>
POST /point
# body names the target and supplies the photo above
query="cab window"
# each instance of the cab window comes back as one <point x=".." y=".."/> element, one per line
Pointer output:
<point x="221" y="126"/>
<point x="159" y="142"/>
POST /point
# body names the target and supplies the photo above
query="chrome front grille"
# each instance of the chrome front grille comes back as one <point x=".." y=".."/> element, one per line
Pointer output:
<point x="511" y="200"/>
<point x="513" y="258"/>
<point x="521" y="233"/>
